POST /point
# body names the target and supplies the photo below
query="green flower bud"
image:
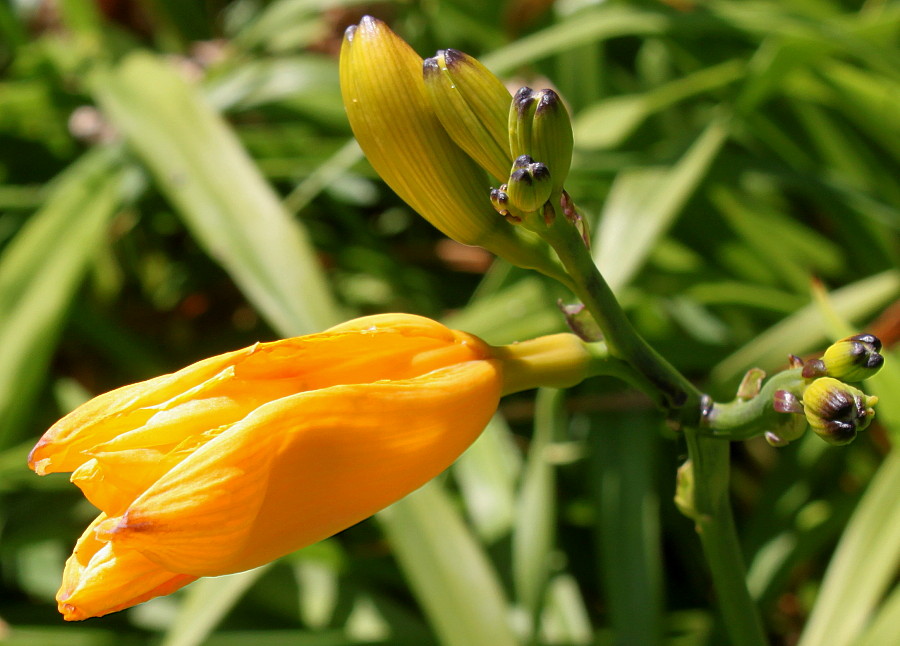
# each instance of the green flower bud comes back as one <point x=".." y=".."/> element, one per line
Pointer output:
<point x="396" y="126"/>
<point x="472" y="105"/>
<point x="521" y="118"/>
<point x="529" y="184"/>
<point x="552" y="136"/>
<point x="837" y="411"/>
<point x="539" y="126"/>
<point x="789" y="428"/>
<point x="854" y="358"/>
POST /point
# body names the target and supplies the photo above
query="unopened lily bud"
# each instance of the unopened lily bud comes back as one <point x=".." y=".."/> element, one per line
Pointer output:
<point x="396" y="126"/>
<point x="529" y="185"/>
<point x="837" y="411"/>
<point x="539" y="126"/>
<point x="521" y="120"/>
<point x="552" y="137"/>
<point x="854" y="358"/>
<point x="473" y="106"/>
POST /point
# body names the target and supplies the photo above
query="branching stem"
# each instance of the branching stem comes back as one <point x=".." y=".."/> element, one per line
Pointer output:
<point x="706" y="500"/>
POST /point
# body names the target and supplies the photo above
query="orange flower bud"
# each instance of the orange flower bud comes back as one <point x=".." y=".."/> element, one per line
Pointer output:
<point x="247" y="456"/>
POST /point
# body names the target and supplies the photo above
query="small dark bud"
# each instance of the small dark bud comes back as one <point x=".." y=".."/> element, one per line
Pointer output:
<point x="785" y="402"/>
<point x="813" y="369"/>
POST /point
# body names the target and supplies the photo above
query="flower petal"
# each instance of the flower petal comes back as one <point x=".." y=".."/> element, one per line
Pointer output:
<point x="305" y="467"/>
<point x="165" y="411"/>
<point x="100" y="578"/>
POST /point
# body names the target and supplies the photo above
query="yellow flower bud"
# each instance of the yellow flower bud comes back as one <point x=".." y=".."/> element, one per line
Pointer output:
<point x="854" y="358"/>
<point x="472" y="105"/>
<point x="397" y="127"/>
<point x="836" y="411"/>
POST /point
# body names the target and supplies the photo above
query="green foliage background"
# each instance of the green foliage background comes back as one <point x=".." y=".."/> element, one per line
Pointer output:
<point x="177" y="179"/>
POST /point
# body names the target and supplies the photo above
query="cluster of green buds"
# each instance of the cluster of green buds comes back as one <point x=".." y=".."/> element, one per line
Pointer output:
<point x="836" y="410"/>
<point x="540" y="142"/>
<point x="436" y="130"/>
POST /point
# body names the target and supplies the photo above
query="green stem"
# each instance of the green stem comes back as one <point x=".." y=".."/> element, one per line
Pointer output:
<point x="742" y="419"/>
<point x="707" y="500"/>
<point x="707" y="503"/>
<point x="673" y="390"/>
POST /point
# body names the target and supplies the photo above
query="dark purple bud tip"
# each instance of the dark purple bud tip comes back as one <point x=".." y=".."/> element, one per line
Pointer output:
<point x="522" y="161"/>
<point x="540" y="171"/>
<point x="523" y="99"/>
<point x="549" y="102"/>
<point x="521" y="175"/>
<point x="431" y="67"/>
<point x="453" y="57"/>
<point x="813" y="369"/>
<point x="869" y="339"/>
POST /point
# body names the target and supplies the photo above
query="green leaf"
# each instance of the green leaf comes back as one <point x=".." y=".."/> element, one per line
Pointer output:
<point x="644" y="202"/>
<point x="206" y="602"/>
<point x="42" y="268"/>
<point x="200" y="166"/>
<point x="448" y="570"/>
<point x="863" y="566"/>
<point x="487" y="474"/>
<point x="534" y="535"/>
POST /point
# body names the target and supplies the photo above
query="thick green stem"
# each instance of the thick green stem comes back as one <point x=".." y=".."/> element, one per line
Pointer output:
<point x="703" y="496"/>
<point x="706" y="498"/>
<point x="742" y="419"/>
<point x="674" y="392"/>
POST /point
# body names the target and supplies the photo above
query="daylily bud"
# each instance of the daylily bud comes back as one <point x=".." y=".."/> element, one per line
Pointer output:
<point x="521" y="120"/>
<point x="539" y="126"/>
<point x="552" y="136"/>
<point x="529" y="185"/>
<point x="396" y="126"/>
<point x="837" y="411"/>
<point x="472" y="105"/>
<point x="854" y="358"/>
<point x="244" y="457"/>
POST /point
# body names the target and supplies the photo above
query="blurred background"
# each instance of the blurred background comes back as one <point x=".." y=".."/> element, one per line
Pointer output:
<point x="177" y="179"/>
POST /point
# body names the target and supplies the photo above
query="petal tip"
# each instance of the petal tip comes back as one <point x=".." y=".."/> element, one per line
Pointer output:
<point x="370" y="24"/>
<point x="38" y="461"/>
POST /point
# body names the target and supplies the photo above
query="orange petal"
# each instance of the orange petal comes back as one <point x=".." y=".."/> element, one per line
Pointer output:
<point x="106" y="416"/>
<point x="165" y="411"/>
<point x="305" y="467"/>
<point x="100" y="578"/>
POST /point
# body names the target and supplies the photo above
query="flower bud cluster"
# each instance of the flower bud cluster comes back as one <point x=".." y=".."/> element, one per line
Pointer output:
<point x="834" y="409"/>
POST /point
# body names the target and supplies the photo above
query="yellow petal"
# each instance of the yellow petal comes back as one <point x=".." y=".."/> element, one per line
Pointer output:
<point x="305" y="467"/>
<point x="100" y="578"/>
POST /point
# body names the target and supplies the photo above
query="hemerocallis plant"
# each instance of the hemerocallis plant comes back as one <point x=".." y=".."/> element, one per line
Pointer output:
<point x="241" y="458"/>
<point x="247" y="456"/>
